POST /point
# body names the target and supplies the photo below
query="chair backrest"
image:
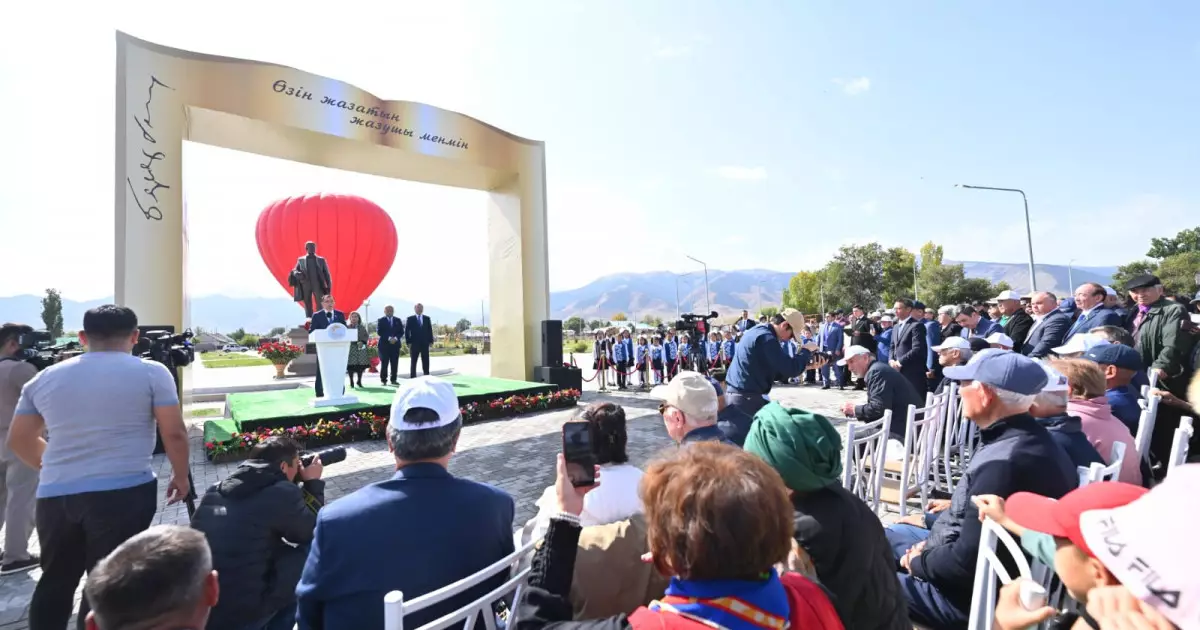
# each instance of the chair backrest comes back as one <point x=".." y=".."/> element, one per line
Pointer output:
<point x="1100" y="472"/>
<point x="395" y="608"/>
<point x="1179" y="444"/>
<point x="866" y="445"/>
<point x="1145" y="429"/>
<point x="989" y="570"/>
<point x="920" y="447"/>
<point x="950" y="464"/>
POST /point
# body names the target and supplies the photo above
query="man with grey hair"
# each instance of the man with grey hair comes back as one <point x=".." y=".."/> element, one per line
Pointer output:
<point x="951" y="352"/>
<point x="416" y="532"/>
<point x="159" y="579"/>
<point x="1050" y="327"/>
<point x="690" y="408"/>
<point x="1016" y="454"/>
<point x="1050" y="410"/>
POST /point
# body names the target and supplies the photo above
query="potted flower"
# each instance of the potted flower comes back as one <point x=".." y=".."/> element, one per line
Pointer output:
<point x="373" y="354"/>
<point x="280" y="354"/>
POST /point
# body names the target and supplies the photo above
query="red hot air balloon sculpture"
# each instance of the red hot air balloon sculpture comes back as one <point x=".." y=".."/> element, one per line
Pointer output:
<point x="355" y="236"/>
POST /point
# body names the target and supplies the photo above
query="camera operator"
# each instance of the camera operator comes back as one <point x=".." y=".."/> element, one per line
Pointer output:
<point x="759" y="359"/>
<point x="18" y="482"/>
<point x="247" y="517"/>
<point x="97" y="485"/>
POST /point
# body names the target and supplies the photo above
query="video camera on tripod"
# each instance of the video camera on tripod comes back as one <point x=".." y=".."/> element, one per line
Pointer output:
<point x="38" y="349"/>
<point x="696" y="328"/>
<point x="166" y="347"/>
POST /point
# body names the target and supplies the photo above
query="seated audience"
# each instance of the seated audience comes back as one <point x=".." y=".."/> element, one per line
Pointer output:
<point x="160" y="578"/>
<point x="689" y="409"/>
<point x="1000" y="340"/>
<point x="246" y="519"/>
<point x="1015" y="454"/>
<point x="610" y="575"/>
<point x="1119" y="364"/>
<point x="979" y="344"/>
<point x="1118" y="335"/>
<point x="951" y="352"/>
<point x="617" y="499"/>
<point x="842" y="537"/>
<point x="732" y="420"/>
<point x="1050" y="410"/>
<point x="1077" y="345"/>
<point x="416" y="532"/>
<point x="887" y="389"/>
<point x="719" y="522"/>
<point x="1087" y="401"/>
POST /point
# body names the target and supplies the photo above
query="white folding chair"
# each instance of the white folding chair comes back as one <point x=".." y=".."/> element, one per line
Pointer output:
<point x="988" y="568"/>
<point x="866" y="445"/>
<point x="395" y="608"/>
<point x="1145" y="429"/>
<point x="913" y="475"/>
<point x="1179" y="444"/>
<point x="1100" y="472"/>
<point x="948" y="462"/>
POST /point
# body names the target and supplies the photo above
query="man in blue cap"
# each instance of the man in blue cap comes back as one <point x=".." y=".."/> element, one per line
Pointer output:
<point x="1016" y="454"/>
<point x="1120" y="364"/>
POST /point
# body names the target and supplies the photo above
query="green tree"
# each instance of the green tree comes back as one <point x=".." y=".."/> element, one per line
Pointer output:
<point x="861" y="276"/>
<point x="803" y="292"/>
<point x="1184" y="242"/>
<point x="897" y="275"/>
<point x="594" y="324"/>
<point x="462" y="325"/>
<point x="574" y="323"/>
<point x="1126" y="272"/>
<point x="768" y="311"/>
<point x="1178" y="272"/>
<point x="977" y="290"/>
<point x="931" y="254"/>
<point x="238" y="334"/>
<point x="651" y="320"/>
<point x="52" y="315"/>
<point x="250" y="341"/>
<point x="276" y="331"/>
<point x="620" y="317"/>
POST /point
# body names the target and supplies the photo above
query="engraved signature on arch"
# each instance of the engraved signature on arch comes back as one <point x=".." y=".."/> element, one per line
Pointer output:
<point x="147" y="201"/>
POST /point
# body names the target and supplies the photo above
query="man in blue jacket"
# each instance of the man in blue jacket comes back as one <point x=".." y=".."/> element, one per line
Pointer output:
<point x="759" y="359"/>
<point x="1016" y="454"/>
<point x="831" y="339"/>
<point x="1089" y="299"/>
<point x="416" y="532"/>
<point x="1049" y="327"/>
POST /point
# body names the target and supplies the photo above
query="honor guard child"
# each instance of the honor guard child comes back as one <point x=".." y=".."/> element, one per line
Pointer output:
<point x="727" y="345"/>
<point x="656" y="359"/>
<point x="642" y="357"/>
<point x="671" y="355"/>
<point x="713" y="348"/>
<point x="620" y="353"/>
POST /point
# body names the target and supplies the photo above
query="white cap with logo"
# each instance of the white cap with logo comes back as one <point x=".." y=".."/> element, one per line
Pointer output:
<point x="1007" y="295"/>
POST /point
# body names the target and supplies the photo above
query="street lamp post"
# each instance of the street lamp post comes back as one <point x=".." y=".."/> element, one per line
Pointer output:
<point x="1071" y="274"/>
<point x="707" y="303"/>
<point x="1028" y="231"/>
<point x="678" y="311"/>
<point x="915" y="297"/>
<point x="367" y="310"/>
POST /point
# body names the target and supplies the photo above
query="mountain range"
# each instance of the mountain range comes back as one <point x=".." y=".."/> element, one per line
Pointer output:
<point x="658" y="293"/>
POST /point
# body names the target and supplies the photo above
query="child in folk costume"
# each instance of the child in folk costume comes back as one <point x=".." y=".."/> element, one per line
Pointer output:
<point x="685" y="353"/>
<point x="713" y="348"/>
<point x="656" y="359"/>
<point x="727" y="349"/>
<point x="641" y="357"/>
<point x="621" y="358"/>
<point x="671" y="356"/>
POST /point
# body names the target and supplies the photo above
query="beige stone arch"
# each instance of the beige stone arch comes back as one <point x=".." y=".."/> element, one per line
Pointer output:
<point x="166" y="96"/>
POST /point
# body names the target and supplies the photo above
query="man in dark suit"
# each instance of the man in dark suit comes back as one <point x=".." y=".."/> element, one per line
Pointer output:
<point x="320" y="321"/>
<point x="909" y="352"/>
<point x="1019" y="322"/>
<point x="310" y="279"/>
<point x="886" y="389"/>
<point x="418" y="332"/>
<point x="1050" y="327"/>
<point x="418" y="531"/>
<point x="1089" y="299"/>
<point x="861" y="334"/>
<point x="391" y="334"/>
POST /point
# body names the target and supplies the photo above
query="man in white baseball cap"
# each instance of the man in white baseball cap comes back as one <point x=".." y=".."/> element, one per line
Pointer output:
<point x="951" y="352"/>
<point x="435" y="528"/>
<point x="689" y="408"/>
<point x="887" y="389"/>
<point x="1000" y="340"/>
<point x="1016" y="322"/>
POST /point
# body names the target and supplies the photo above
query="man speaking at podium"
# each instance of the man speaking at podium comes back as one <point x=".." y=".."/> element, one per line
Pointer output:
<point x="320" y="321"/>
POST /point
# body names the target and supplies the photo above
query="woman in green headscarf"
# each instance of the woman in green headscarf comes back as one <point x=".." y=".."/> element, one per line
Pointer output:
<point x="842" y="536"/>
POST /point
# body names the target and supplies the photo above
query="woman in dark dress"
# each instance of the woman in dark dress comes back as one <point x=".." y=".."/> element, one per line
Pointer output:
<point x="359" y="359"/>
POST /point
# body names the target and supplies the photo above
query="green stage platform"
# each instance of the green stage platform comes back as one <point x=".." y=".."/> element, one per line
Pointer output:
<point x="290" y="407"/>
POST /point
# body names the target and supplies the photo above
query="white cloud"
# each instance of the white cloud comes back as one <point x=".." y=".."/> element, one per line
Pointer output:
<point x="746" y="173"/>
<point x="854" y="86"/>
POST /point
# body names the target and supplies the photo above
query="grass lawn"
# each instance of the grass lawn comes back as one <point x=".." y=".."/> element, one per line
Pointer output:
<point x="204" y="412"/>
<point x="231" y="359"/>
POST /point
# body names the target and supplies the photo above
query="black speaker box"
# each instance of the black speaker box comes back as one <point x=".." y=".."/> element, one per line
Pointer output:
<point x="552" y="342"/>
<point x="564" y="377"/>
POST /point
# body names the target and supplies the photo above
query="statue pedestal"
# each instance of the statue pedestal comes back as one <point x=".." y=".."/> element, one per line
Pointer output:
<point x="305" y="364"/>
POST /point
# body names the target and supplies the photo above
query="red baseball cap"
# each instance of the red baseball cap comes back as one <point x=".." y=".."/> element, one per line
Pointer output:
<point x="1060" y="518"/>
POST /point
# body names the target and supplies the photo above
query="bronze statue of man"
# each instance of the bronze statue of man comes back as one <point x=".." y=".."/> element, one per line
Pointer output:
<point x="310" y="279"/>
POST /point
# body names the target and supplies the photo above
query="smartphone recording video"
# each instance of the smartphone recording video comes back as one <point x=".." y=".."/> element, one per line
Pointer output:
<point x="577" y="451"/>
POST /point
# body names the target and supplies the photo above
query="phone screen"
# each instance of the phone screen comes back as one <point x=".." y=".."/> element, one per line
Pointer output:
<point x="577" y="451"/>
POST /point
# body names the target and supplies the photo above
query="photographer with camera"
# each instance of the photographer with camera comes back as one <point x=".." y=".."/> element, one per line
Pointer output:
<point x="760" y="358"/>
<point x="97" y="486"/>
<point x="18" y="482"/>
<point x="249" y="518"/>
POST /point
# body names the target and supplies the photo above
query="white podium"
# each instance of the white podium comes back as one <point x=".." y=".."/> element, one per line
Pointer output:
<point x="333" y="352"/>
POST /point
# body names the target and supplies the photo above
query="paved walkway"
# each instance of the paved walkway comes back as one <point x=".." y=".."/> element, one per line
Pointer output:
<point x="516" y="455"/>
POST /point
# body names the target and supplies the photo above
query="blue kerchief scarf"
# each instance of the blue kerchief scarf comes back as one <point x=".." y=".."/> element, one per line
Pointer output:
<point x="731" y="604"/>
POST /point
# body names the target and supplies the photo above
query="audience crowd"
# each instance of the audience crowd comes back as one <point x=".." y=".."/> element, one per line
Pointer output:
<point x="745" y="524"/>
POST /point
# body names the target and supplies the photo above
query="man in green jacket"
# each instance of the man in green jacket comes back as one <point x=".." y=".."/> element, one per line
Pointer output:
<point x="1158" y="330"/>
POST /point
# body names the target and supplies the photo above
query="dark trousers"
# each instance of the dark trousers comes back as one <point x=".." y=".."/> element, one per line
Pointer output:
<point x="622" y="368"/>
<point x="389" y="363"/>
<point x="749" y="403"/>
<point x="916" y="375"/>
<point x="414" y="352"/>
<point x="76" y="531"/>
<point x="309" y="301"/>
<point x="927" y="606"/>
<point x="319" y="386"/>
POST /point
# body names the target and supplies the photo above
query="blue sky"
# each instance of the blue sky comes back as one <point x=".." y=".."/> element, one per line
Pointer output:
<point x="748" y="134"/>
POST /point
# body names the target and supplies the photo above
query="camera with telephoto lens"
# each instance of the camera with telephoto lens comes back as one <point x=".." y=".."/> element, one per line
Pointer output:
<point x="696" y="327"/>
<point x="38" y="349"/>
<point x="331" y="455"/>
<point x="165" y="347"/>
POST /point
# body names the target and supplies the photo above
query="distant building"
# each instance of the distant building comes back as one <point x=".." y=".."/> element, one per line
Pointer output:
<point x="209" y="341"/>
